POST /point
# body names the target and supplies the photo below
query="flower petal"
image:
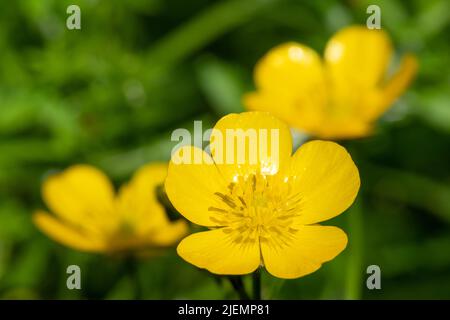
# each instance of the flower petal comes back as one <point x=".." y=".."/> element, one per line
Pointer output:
<point x="290" y="68"/>
<point x="291" y="85"/>
<point x="297" y="112"/>
<point x="139" y="207"/>
<point x="170" y="234"/>
<point x="305" y="253"/>
<point x="381" y="98"/>
<point x="82" y="196"/>
<point x="399" y="81"/>
<point x="67" y="235"/>
<point x="191" y="184"/>
<point x="356" y="62"/>
<point x="219" y="253"/>
<point x="345" y="128"/>
<point x="357" y="58"/>
<point x="326" y="179"/>
<point x="250" y="143"/>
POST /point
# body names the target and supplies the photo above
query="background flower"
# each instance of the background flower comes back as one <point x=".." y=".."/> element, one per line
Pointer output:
<point x="90" y="217"/>
<point x="340" y="97"/>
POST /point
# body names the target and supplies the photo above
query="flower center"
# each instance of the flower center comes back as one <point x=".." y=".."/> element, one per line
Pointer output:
<point x="258" y="208"/>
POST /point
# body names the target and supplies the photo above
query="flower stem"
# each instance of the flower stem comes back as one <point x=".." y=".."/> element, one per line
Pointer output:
<point x="276" y="288"/>
<point x="238" y="286"/>
<point x="354" y="279"/>
<point x="131" y="266"/>
<point x="257" y="284"/>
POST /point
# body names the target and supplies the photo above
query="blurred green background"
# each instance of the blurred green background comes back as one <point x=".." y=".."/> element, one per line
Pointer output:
<point x="111" y="93"/>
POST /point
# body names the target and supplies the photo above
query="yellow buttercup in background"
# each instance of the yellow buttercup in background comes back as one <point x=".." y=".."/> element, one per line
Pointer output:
<point x="89" y="216"/>
<point x="338" y="98"/>
<point x="264" y="213"/>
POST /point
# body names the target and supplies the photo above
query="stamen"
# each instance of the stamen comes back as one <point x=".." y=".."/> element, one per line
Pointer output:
<point x="242" y="201"/>
<point x="258" y="208"/>
<point x="226" y="199"/>
<point x="217" y="209"/>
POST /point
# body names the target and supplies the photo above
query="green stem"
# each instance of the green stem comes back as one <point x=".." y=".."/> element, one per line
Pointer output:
<point x="257" y="284"/>
<point x="354" y="279"/>
<point x="238" y="286"/>
<point x="131" y="266"/>
<point x="276" y="288"/>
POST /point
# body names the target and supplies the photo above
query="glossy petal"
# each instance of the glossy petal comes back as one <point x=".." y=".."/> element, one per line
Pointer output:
<point x="250" y="142"/>
<point x="304" y="253"/>
<point x="191" y="185"/>
<point x="291" y="85"/>
<point x="357" y="58"/>
<point x="217" y="252"/>
<point x="326" y="179"/>
<point x="66" y="234"/>
<point x="288" y="68"/>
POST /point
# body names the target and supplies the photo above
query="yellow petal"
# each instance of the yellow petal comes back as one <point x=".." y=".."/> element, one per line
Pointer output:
<point x="400" y="81"/>
<point x="81" y="195"/>
<point x="345" y="128"/>
<point x="357" y="58"/>
<point x="326" y="179"/>
<point x="141" y="211"/>
<point x="288" y="68"/>
<point x="67" y="235"/>
<point x="381" y="98"/>
<point x="304" y="253"/>
<point x="295" y="111"/>
<point x="137" y="202"/>
<point x="291" y="85"/>
<point x="356" y="61"/>
<point x="219" y="253"/>
<point x="249" y="143"/>
<point x="150" y="176"/>
<point x="170" y="234"/>
<point x="191" y="185"/>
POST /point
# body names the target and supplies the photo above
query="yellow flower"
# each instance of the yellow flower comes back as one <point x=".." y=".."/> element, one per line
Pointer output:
<point x="90" y="217"/>
<point x="340" y="97"/>
<point x="266" y="212"/>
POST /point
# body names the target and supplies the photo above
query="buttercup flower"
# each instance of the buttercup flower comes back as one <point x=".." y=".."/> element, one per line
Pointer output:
<point x="340" y="97"/>
<point x="90" y="217"/>
<point x="264" y="213"/>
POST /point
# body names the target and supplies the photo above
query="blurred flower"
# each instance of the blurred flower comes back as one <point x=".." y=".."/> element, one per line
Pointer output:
<point x="266" y="212"/>
<point x="90" y="217"/>
<point x="340" y="97"/>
